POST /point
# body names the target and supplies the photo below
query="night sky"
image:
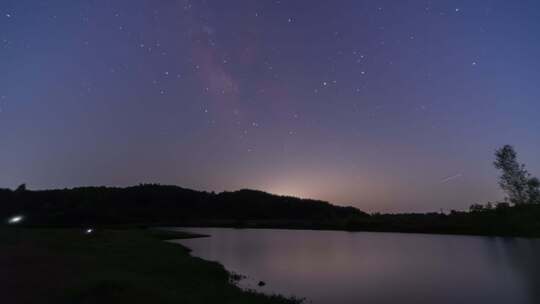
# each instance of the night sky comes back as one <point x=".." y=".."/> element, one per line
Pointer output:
<point x="384" y="105"/>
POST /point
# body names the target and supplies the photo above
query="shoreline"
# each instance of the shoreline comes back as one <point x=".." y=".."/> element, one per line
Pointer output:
<point x="113" y="266"/>
<point x="330" y="228"/>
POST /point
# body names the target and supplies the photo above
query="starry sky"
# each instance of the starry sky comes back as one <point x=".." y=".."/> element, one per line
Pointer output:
<point x="388" y="106"/>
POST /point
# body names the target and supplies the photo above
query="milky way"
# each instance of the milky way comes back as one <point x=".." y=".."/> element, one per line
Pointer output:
<point x="367" y="103"/>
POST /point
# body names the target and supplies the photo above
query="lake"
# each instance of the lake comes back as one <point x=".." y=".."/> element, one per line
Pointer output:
<point x="328" y="267"/>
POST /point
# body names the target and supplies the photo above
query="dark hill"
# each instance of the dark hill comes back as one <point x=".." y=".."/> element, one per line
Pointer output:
<point x="167" y="205"/>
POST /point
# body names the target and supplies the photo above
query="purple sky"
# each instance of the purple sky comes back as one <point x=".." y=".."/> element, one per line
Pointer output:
<point x="384" y="105"/>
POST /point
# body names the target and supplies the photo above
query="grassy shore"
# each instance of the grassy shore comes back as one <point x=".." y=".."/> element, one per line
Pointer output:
<point x="111" y="266"/>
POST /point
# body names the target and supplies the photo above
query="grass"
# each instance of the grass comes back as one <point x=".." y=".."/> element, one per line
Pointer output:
<point x="111" y="266"/>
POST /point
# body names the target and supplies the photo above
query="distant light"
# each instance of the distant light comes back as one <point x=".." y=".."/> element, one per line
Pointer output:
<point x="89" y="231"/>
<point x="16" y="219"/>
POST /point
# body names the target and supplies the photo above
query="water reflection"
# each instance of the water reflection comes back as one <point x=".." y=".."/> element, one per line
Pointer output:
<point x="344" y="267"/>
<point x="523" y="255"/>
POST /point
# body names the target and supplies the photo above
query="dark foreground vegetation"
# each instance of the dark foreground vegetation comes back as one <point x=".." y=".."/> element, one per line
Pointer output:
<point x="111" y="266"/>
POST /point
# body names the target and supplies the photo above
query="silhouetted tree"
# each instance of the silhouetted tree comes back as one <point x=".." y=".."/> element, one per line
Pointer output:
<point x="502" y="206"/>
<point x="514" y="178"/>
<point x="533" y="190"/>
<point x="21" y="188"/>
<point x="476" y="208"/>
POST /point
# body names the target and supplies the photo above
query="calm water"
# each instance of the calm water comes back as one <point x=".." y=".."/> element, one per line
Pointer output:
<point x="344" y="267"/>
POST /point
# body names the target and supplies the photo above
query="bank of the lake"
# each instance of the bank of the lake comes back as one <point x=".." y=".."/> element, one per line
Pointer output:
<point x="111" y="266"/>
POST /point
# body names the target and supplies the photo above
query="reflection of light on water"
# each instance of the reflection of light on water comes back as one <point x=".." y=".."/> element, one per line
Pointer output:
<point x="344" y="267"/>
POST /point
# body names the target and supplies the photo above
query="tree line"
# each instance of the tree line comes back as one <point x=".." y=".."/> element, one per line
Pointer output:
<point x="519" y="185"/>
<point x="154" y="204"/>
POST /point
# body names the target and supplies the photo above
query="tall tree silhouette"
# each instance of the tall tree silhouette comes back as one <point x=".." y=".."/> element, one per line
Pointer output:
<point x="518" y="184"/>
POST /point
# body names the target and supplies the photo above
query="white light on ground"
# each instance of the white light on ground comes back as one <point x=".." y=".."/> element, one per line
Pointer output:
<point x="89" y="231"/>
<point x="16" y="219"/>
